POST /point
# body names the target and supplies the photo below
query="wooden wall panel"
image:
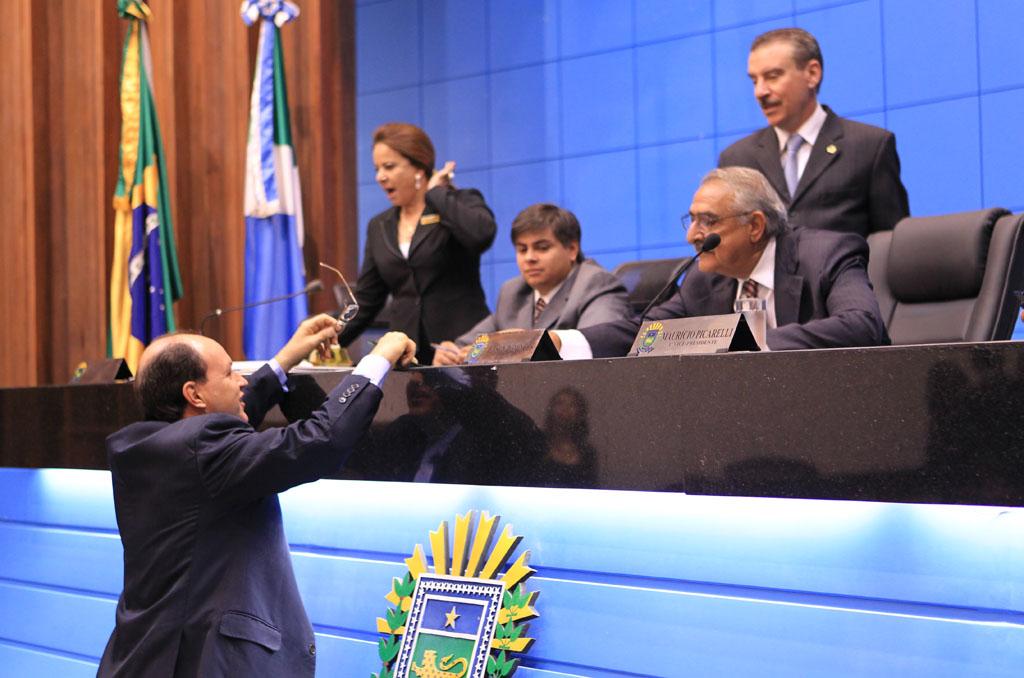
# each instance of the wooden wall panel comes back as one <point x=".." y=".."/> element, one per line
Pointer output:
<point x="321" y="80"/>
<point x="61" y="128"/>
<point x="18" y="335"/>
<point x="77" y="180"/>
<point x="211" y="97"/>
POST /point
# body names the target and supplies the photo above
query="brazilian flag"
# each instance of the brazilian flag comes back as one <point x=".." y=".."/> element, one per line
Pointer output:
<point x="144" y="280"/>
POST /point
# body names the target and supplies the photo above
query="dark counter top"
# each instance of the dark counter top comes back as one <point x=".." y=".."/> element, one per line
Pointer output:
<point x="936" y="423"/>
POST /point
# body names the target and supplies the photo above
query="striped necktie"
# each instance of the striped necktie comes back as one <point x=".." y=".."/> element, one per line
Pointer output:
<point x="750" y="288"/>
<point x="538" y="309"/>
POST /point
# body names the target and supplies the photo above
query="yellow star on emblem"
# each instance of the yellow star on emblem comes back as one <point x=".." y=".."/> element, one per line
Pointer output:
<point x="450" y="617"/>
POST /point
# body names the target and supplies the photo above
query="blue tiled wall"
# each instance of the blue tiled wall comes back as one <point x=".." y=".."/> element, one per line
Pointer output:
<point x="614" y="108"/>
<point x="638" y="584"/>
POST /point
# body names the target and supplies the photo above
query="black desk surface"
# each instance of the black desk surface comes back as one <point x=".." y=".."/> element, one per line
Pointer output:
<point x="937" y="424"/>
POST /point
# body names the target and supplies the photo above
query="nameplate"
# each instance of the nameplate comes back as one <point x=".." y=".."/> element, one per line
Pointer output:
<point x="689" y="336"/>
<point x="512" y="346"/>
<point x="102" y="371"/>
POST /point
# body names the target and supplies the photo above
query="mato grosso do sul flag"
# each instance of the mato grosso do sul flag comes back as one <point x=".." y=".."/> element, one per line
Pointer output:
<point x="273" y="199"/>
<point x="144" y="279"/>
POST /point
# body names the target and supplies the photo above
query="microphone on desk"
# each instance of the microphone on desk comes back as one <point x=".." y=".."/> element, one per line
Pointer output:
<point x="311" y="286"/>
<point x="710" y="243"/>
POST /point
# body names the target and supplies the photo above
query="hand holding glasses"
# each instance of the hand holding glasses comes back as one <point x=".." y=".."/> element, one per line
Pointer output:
<point x="349" y="309"/>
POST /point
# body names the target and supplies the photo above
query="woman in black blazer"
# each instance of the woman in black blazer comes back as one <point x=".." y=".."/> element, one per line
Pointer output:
<point x="425" y="251"/>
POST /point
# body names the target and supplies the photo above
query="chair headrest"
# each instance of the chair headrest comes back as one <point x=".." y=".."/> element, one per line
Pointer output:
<point x="940" y="258"/>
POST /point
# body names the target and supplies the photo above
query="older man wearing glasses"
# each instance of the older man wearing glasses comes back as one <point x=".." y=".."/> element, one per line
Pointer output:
<point x="814" y="282"/>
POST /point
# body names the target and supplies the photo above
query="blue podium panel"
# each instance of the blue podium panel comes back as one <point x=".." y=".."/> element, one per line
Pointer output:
<point x="631" y="583"/>
<point x="22" y="661"/>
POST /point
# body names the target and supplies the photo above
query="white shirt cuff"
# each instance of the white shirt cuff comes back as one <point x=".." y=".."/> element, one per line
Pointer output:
<point x="374" y="368"/>
<point x="282" y="376"/>
<point x="574" y="345"/>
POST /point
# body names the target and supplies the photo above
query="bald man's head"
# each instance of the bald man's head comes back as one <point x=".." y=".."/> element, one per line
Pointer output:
<point x="164" y="368"/>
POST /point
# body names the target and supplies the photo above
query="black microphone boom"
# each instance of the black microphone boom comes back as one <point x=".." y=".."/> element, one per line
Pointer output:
<point x="312" y="286"/>
<point x="710" y="243"/>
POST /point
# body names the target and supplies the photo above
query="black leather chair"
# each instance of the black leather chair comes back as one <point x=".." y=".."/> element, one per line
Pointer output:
<point x="949" y="278"/>
<point x="644" y="278"/>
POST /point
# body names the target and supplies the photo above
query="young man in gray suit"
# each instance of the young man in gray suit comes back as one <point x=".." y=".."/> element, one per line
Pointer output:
<point x="558" y="288"/>
<point x="208" y="582"/>
<point x="831" y="173"/>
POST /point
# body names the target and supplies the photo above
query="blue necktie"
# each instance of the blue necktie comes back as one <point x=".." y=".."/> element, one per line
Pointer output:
<point x="791" y="166"/>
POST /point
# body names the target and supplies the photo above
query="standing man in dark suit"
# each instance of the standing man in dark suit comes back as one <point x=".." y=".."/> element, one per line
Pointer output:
<point x="832" y="173"/>
<point x="208" y="582"/>
<point x="558" y="287"/>
<point x="814" y="282"/>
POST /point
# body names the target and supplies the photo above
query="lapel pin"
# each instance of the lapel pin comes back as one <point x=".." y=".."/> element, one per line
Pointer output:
<point x="430" y="219"/>
<point x="831" y="149"/>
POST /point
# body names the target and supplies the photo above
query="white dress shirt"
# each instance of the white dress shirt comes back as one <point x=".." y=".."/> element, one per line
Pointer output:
<point x="764" y="275"/>
<point x="373" y="367"/>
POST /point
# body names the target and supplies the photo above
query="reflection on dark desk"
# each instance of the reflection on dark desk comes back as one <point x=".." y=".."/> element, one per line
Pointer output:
<point x="937" y="424"/>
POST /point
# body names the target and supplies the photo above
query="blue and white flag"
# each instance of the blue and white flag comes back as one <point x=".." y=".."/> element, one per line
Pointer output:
<point x="273" y="199"/>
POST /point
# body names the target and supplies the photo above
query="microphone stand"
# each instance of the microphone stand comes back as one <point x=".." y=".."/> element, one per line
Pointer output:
<point x="314" y="286"/>
<point x="710" y="243"/>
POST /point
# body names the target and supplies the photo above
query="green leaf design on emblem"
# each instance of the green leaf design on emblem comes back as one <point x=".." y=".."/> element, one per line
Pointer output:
<point x="406" y="587"/>
<point x="387" y="649"/>
<point x="396" y="618"/>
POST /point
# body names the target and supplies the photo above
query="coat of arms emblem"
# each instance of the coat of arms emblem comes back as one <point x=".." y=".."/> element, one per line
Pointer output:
<point x="464" y="618"/>
<point x="650" y="336"/>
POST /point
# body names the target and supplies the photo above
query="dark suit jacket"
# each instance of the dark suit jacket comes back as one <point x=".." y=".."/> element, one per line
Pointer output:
<point x="589" y="296"/>
<point x="208" y="582"/>
<point x="823" y="298"/>
<point x="436" y="292"/>
<point x="856" y="188"/>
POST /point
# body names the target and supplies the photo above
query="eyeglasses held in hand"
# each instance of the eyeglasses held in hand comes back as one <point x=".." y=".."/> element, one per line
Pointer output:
<point x="349" y="309"/>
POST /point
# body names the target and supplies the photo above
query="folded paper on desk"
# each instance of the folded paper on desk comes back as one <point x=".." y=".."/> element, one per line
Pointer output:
<point x="512" y="346"/>
<point x="697" y="335"/>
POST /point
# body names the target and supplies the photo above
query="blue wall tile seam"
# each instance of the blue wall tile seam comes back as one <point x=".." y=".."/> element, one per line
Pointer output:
<point x="885" y="69"/>
<point x="64" y="528"/>
<point x="57" y="588"/>
<point x="822" y="600"/>
<point x="349" y="554"/>
<point x="48" y="650"/>
<point x="635" y="68"/>
<point x="421" y="21"/>
<point x="598" y="52"/>
<point x="560" y="78"/>
<point x="671" y="141"/>
<point x="354" y="635"/>
<point x="716" y="147"/>
<point x="981" y="129"/>
<point x="765" y="594"/>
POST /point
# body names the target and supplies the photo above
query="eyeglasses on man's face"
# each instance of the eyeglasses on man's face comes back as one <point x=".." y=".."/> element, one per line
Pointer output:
<point x="707" y="221"/>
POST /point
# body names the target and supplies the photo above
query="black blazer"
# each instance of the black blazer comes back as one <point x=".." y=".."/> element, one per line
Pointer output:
<point x="823" y="298"/>
<point x="208" y="583"/>
<point x="851" y="182"/>
<point x="436" y="292"/>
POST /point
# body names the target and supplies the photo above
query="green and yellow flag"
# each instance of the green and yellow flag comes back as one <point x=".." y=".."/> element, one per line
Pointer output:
<point x="145" y="280"/>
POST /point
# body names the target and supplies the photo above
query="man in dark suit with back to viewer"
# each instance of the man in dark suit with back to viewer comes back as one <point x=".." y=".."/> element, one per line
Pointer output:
<point x="831" y="172"/>
<point x="208" y="583"/>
